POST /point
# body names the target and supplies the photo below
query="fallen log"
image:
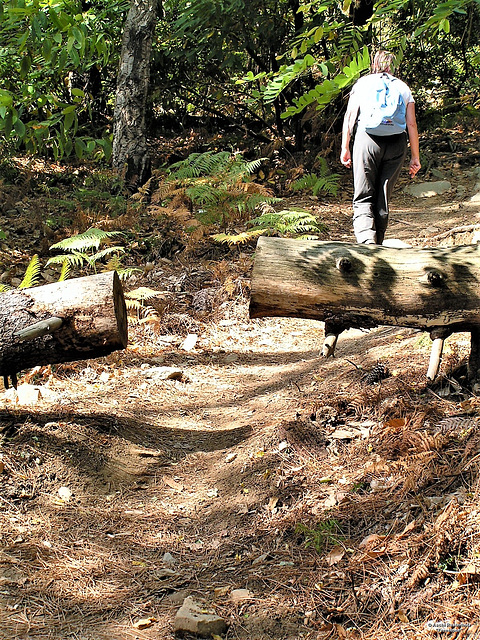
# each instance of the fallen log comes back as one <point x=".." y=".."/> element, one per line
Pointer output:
<point x="76" y="319"/>
<point x="364" y="286"/>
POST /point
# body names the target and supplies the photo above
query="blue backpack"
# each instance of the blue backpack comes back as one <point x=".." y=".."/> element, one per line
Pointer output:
<point x="387" y="115"/>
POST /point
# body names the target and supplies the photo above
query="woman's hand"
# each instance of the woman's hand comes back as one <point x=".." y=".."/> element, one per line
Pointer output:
<point x="415" y="167"/>
<point x="346" y="158"/>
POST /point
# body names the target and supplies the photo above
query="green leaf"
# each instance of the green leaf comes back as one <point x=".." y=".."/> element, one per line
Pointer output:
<point x="318" y="35"/>
<point x="69" y="120"/>
<point x="19" y="128"/>
<point x="6" y="98"/>
<point x="8" y="124"/>
<point x="47" y="49"/>
<point x="25" y="65"/>
<point x="80" y="148"/>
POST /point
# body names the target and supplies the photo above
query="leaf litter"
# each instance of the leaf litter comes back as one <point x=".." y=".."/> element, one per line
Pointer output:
<point x="344" y="510"/>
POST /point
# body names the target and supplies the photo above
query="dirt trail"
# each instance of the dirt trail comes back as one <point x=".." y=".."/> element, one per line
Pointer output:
<point x="216" y="479"/>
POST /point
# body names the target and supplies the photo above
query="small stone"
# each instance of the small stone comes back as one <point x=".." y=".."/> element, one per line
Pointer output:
<point x="194" y="617"/>
<point x="438" y="174"/>
<point x="168" y="558"/>
<point x="65" y="494"/>
<point x="28" y="394"/>
<point x="177" y="597"/>
<point x="238" y="595"/>
<point x="428" y="189"/>
<point x="163" y="373"/>
<point x="190" y="342"/>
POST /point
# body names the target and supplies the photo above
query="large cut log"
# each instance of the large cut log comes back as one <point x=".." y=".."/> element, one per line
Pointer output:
<point x="61" y="322"/>
<point x="354" y="285"/>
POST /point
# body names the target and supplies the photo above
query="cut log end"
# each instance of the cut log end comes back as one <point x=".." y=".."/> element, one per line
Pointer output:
<point x="65" y="321"/>
<point x="120" y="311"/>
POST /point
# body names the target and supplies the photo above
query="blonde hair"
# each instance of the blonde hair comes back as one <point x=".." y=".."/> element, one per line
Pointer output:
<point x="383" y="61"/>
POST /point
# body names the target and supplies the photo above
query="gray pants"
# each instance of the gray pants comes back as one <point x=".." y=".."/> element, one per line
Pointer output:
<point x="377" y="162"/>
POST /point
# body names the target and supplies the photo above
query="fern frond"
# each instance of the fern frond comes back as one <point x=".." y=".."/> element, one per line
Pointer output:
<point x="108" y="251"/>
<point x="205" y="194"/>
<point x="66" y="271"/>
<point x="329" y="184"/>
<point x="315" y="184"/>
<point x="239" y="238"/>
<point x="76" y="259"/>
<point x="289" y="222"/>
<point x="143" y="293"/>
<point x="254" y="200"/>
<point x="32" y="274"/>
<point x="4" y="287"/>
<point x="126" y="272"/>
<point x="304" y="183"/>
<point x="141" y="311"/>
<point x="91" y="239"/>
<point x="254" y="165"/>
<point x="199" y="164"/>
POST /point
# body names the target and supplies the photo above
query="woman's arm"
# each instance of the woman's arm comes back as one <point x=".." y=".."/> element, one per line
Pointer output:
<point x="415" y="165"/>
<point x="348" y="124"/>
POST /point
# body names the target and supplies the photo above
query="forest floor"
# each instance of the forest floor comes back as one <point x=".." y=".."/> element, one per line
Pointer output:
<point x="274" y="486"/>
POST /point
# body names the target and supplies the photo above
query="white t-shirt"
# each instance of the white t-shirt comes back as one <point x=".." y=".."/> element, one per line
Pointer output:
<point x="364" y="87"/>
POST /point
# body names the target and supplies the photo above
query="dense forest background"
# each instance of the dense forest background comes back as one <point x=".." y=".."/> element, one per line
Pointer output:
<point x="269" y="71"/>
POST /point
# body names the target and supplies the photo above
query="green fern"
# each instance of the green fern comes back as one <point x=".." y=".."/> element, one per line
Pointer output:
<point x="297" y="223"/>
<point x="32" y="274"/>
<point x="31" y="278"/>
<point x="91" y="239"/>
<point x="200" y="164"/>
<point x="74" y="260"/>
<point x="135" y="301"/>
<point x="218" y="185"/>
<point x="316" y="184"/>
<point x="84" y="251"/>
<point x="66" y="271"/>
<point x="115" y="264"/>
<point x="239" y="238"/>
<point x="311" y="182"/>
<point x="290" y="222"/>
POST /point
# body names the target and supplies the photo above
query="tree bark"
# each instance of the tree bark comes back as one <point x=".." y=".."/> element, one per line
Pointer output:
<point x="130" y="151"/>
<point x="363" y="286"/>
<point x="72" y="320"/>
<point x="367" y="285"/>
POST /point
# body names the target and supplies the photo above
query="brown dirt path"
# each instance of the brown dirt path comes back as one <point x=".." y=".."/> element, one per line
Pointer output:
<point x="245" y="471"/>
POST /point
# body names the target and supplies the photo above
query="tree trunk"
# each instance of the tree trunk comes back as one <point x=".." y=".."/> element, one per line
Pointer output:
<point x="130" y="151"/>
<point x="367" y="285"/>
<point x="363" y="286"/>
<point x="72" y="320"/>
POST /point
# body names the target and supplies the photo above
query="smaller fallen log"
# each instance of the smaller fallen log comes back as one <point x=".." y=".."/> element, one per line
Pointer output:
<point x="72" y="320"/>
<point x="363" y="286"/>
